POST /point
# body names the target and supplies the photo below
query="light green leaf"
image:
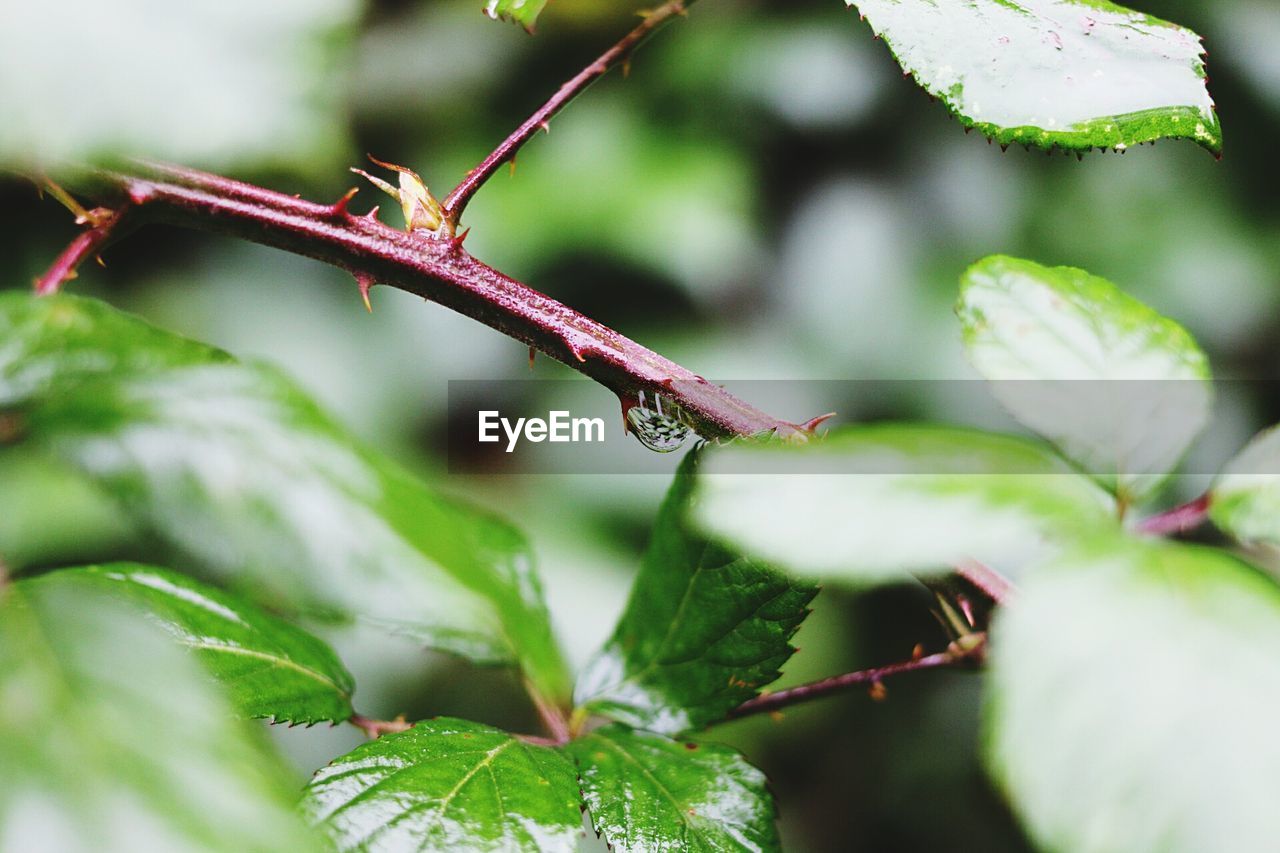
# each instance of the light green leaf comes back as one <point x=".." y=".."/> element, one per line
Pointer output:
<point x="870" y="503"/>
<point x="448" y="785"/>
<point x="523" y="12"/>
<point x="648" y="792"/>
<point x="268" y="667"/>
<point x="1245" y="499"/>
<point x="1117" y="387"/>
<point x="232" y="464"/>
<point x="1078" y="74"/>
<point x="215" y="82"/>
<point x="1133" y="698"/>
<point x="703" y="631"/>
<point x="113" y="740"/>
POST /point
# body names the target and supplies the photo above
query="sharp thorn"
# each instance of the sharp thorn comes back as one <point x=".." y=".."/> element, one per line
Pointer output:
<point x="512" y="166"/>
<point x="364" y="282"/>
<point x="813" y="423"/>
<point x="532" y="353"/>
<point x="338" y="210"/>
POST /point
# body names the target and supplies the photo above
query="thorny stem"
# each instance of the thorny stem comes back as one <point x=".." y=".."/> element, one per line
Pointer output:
<point x="456" y="201"/>
<point x="87" y="243"/>
<point x="436" y="269"/>
<point x="958" y="653"/>
<point x="1179" y="519"/>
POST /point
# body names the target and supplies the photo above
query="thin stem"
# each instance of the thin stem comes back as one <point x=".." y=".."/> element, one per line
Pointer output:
<point x="87" y="243"/>
<point x="991" y="583"/>
<point x="955" y="655"/>
<point x="436" y="269"/>
<point x="552" y="717"/>
<point x="456" y="201"/>
<point x="1179" y="519"/>
<point x="377" y="728"/>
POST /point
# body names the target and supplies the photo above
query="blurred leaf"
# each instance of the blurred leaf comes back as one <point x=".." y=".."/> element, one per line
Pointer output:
<point x="233" y="465"/>
<point x="703" y="631"/>
<point x="647" y="792"/>
<point x="1245" y="499"/>
<point x="523" y="12"/>
<point x="1078" y="74"/>
<point x="1133" y="697"/>
<point x="614" y="182"/>
<point x="214" y="82"/>
<point x="87" y="524"/>
<point x="871" y="503"/>
<point x="111" y="739"/>
<point x="448" y="784"/>
<point x="1052" y="339"/>
<point x="269" y="667"/>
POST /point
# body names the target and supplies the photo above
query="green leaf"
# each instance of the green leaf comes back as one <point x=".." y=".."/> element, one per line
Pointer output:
<point x="268" y="667"/>
<point x="872" y="502"/>
<point x="448" y="784"/>
<point x="1117" y="387"/>
<point x="703" y="631"/>
<point x="1132" y="704"/>
<point x="1078" y="74"/>
<point x="215" y="82"/>
<point x="648" y="792"/>
<point x="523" y="12"/>
<point x="234" y="466"/>
<point x="1245" y="499"/>
<point x="112" y="739"/>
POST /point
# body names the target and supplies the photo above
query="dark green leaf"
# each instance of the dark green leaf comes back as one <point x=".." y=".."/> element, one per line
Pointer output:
<point x="703" y="631"/>
<point x="523" y="12"/>
<point x="232" y="464"/>
<point x="219" y="83"/>
<point x="1078" y="74"/>
<point x="269" y="667"/>
<point x="870" y="503"/>
<point x="648" y="792"/>
<point x="112" y="739"/>
<point x="1117" y="387"/>
<point x="448" y="785"/>
<point x="1133" y="701"/>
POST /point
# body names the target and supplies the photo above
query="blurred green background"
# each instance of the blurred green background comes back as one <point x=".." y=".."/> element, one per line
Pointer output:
<point x="765" y="197"/>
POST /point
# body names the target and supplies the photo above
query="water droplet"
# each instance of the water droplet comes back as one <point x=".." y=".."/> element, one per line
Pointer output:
<point x="659" y="429"/>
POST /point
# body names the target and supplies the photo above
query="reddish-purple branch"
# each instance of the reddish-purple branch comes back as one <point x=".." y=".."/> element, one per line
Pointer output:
<point x="869" y="678"/>
<point x="991" y="583"/>
<point x="457" y="199"/>
<point x="1180" y="519"/>
<point x="86" y="244"/>
<point x="377" y="728"/>
<point x="437" y="269"/>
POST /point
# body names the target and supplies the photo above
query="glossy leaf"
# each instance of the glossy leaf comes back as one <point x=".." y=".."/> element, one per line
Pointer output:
<point x="703" y="631"/>
<point x="648" y="792"/>
<point x="1118" y="388"/>
<point x="871" y="503"/>
<point x="269" y="667"/>
<point x="112" y="739"/>
<point x="1078" y="74"/>
<point x="1133" y="697"/>
<point x="448" y="785"/>
<point x="215" y="82"/>
<point x="1245" y="499"/>
<point x="232" y="464"/>
<point x="523" y="12"/>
